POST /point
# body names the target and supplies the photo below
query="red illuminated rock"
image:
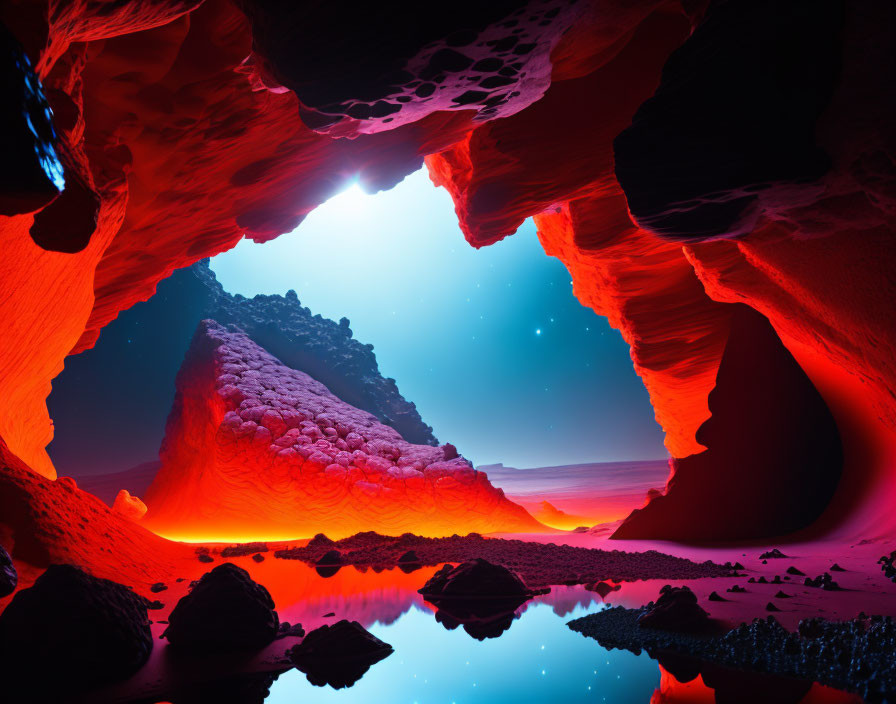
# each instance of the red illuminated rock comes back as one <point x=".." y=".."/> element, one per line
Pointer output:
<point x="256" y="449"/>
<point x="129" y="506"/>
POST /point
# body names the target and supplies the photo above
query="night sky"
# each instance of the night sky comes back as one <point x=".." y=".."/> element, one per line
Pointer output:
<point x="491" y="345"/>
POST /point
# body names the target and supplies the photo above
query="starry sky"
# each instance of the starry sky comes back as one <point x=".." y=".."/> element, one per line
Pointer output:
<point x="491" y="345"/>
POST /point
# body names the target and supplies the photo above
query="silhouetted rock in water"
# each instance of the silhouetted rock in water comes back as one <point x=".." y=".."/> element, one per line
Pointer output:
<point x="225" y="610"/>
<point x="795" y="571"/>
<point x="476" y="579"/>
<point x="338" y="655"/>
<point x="203" y="557"/>
<point x="715" y="596"/>
<point x="850" y="655"/>
<point x="602" y="588"/>
<point x="480" y="620"/>
<point x="86" y="630"/>
<point x="836" y="568"/>
<point x="676" y="610"/>
<point x="333" y="557"/>
<point x="782" y="595"/>
<point x="409" y="558"/>
<point x="773" y="554"/>
<point x="480" y="596"/>
<point x="736" y="589"/>
<point x="8" y="576"/>
<point x="158" y="587"/>
<point x="258" y="557"/>
<point x="327" y="571"/>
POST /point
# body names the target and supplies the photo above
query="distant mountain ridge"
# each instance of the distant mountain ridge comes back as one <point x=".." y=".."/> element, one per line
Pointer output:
<point x="597" y="491"/>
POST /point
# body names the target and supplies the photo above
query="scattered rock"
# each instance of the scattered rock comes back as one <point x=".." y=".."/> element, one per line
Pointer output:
<point x="836" y="568"/>
<point x="206" y="558"/>
<point x="737" y="589"/>
<point x="782" y="595"/>
<point x="8" y="576"/>
<point x="773" y="554"/>
<point x="258" y="557"/>
<point x="538" y="564"/>
<point x="289" y="629"/>
<point x="72" y="622"/>
<point x="824" y="581"/>
<point x="158" y="587"/>
<point x="676" y="610"/>
<point x="338" y="655"/>
<point x="330" y="614"/>
<point x="225" y="610"/>
<point x="243" y="549"/>
<point x="796" y="572"/>
<point x="714" y="596"/>
<point x="771" y="607"/>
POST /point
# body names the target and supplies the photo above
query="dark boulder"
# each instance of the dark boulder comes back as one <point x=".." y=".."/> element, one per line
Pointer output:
<point x="87" y="630"/>
<point x="338" y="655"/>
<point x="224" y="611"/>
<point x="676" y="610"/>
<point x="603" y="588"/>
<point x="8" y="576"/>
<point x="475" y="579"/>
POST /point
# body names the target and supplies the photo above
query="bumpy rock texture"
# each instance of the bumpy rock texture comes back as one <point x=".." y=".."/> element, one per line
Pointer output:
<point x="254" y="447"/>
<point x="538" y="564"/>
<point x="47" y="522"/>
<point x="88" y="630"/>
<point x="146" y="345"/>
<point x="184" y="126"/>
<point x="225" y="610"/>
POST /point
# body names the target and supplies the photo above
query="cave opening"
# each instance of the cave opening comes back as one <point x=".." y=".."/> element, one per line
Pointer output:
<point x="489" y="350"/>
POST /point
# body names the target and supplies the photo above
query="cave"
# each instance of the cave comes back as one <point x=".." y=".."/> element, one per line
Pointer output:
<point x="241" y="503"/>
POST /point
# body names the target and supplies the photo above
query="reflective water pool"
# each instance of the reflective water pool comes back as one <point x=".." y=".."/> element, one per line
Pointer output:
<point x="538" y="659"/>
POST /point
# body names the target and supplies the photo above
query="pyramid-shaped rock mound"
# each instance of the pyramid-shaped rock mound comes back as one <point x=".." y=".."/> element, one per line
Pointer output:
<point x="255" y="449"/>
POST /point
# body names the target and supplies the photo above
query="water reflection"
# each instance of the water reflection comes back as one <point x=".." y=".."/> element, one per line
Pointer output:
<point x="522" y="654"/>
